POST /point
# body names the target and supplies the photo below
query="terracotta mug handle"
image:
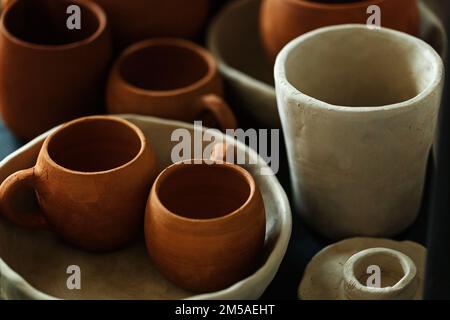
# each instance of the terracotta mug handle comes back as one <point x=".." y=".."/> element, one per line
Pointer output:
<point x="220" y="110"/>
<point x="8" y="189"/>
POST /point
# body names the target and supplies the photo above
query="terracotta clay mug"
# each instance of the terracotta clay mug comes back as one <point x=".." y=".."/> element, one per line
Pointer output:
<point x="283" y="20"/>
<point x="48" y="73"/>
<point x="359" y="108"/>
<point x="92" y="180"/>
<point x="205" y="225"/>
<point x="169" y="78"/>
<point x="136" y="20"/>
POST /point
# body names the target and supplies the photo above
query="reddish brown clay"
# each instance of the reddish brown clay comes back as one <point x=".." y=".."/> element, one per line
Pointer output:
<point x="168" y="78"/>
<point x="283" y="20"/>
<point x="136" y="20"/>
<point x="92" y="179"/>
<point x="205" y="225"/>
<point x="48" y="73"/>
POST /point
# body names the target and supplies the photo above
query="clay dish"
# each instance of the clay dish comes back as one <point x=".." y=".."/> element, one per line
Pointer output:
<point x="29" y="270"/>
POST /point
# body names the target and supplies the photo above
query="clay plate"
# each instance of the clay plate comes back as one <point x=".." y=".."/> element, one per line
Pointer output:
<point x="33" y="264"/>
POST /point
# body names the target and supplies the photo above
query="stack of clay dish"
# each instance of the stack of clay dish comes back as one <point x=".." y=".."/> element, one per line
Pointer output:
<point x="33" y="264"/>
<point x="342" y="271"/>
<point x="234" y="40"/>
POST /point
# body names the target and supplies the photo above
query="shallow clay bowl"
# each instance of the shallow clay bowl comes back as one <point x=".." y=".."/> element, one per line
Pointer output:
<point x="33" y="264"/>
<point x="233" y="38"/>
<point x="323" y="279"/>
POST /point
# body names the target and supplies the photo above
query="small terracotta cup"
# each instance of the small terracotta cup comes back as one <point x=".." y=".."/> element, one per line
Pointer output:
<point x="92" y="179"/>
<point x="48" y="73"/>
<point x="169" y="78"/>
<point x="283" y="20"/>
<point x="205" y="225"/>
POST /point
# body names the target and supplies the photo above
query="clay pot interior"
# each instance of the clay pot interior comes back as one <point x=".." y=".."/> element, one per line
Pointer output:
<point x="392" y="269"/>
<point x="190" y="191"/>
<point x="398" y="275"/>
<point x="383" y="71"/>
<point x="164" y="67"/>
<point x="43" y="22"/>
<point x="93" y="146"/>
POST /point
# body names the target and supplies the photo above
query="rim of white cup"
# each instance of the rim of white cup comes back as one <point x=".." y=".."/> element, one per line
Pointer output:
<point x="282" y="83"/>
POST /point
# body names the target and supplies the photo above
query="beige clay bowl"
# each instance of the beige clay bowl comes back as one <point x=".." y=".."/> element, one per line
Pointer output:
<point x="33" y="264"/>
<point x="234" y="40"/>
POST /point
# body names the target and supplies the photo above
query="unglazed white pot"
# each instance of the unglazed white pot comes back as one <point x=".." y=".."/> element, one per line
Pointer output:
<point x="359" y="109"/>
<point x="234" y="40"/>
<point x="346" y="271"/>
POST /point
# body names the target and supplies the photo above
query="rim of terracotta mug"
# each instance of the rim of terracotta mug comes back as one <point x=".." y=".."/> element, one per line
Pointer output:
<point x="337" y="6"/>
<point x="170" y="42"/>
<point x="194" y="162"/>
<point x="280" y="71"/>
<point x="98" y="12"/>
<point x="139" y="134"/>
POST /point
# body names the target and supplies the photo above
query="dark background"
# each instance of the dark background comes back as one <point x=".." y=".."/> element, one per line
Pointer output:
<point x="304" y="243"/>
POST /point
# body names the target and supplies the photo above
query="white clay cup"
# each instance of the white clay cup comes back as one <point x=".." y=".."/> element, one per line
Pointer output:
<point x="358" y="108"/>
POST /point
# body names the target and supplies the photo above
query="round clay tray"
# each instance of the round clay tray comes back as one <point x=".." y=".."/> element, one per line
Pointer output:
<point x="233" y="38"/>
<point x="323" y="277"/>
<point x="33" y="263"/>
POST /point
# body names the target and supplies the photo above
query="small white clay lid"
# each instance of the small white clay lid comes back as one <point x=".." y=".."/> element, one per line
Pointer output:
<point x="338" y="271"/>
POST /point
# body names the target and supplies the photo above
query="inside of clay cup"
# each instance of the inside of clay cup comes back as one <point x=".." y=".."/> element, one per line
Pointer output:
<point x="94" y="145"/>
<point x="360" y="67"/>
<point x="390" y="266"/>
<point x="202" y="191"/>
<point x="163" y="67"/>
<point x="44" y="22"/>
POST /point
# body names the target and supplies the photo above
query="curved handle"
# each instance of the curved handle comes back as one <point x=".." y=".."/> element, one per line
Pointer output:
<point x="220" y="111"/>
<point x="8" y="189"/>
